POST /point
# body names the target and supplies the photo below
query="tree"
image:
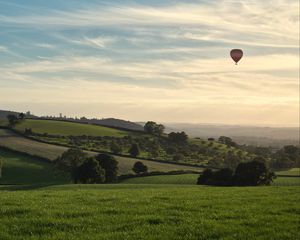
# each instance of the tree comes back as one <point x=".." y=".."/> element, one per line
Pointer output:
<point x="69" y="162"/>
<point x="110" y="165"/>
<point x="252" y="173"/>
<point x="205" y="177"/>
<point x="139" y="167"/>
<point x="115" y="148"/>
<point x="12" y="120"/>
<point x="90" y="171"/>
<point x="227" y="141"/>
<point x="134" y="150"/>
<point x="178" y="138"/>
<point x="1" y="166"/>
<point x="21" y="116"/>
<point x="154" y="128"/>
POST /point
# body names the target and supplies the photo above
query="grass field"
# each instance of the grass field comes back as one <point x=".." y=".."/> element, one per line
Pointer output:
<point x="68" y="128"/>
<point x="164" y="179"/>
<point x="192" y="180"/>
<point x="20" y="169"/>
<point x="150" y="212"/>
<point x="19" y="143"/>
<point x="290" y="172"/>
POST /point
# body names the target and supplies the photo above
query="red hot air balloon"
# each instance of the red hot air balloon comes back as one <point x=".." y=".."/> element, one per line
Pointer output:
<point x="236" y="55"/>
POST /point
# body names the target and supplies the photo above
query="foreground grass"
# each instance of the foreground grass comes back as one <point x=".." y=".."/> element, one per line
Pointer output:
<point x="190" y="179"/>
<point x="68" y="128"/>
<point x="150" y="212"/>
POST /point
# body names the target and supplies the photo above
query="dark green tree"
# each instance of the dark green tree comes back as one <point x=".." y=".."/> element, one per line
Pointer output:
<point x="139" y="168"/>
<point x="178" y="138"/>
<point x="253" y="173"/>
<point x="134" y="150"/>
<point x="69" y="162"/>
<point x="227" y="141"/>
<point x="90" y="172"/>
<point x="12" y="120"/>
<point x="110" y="165"/>
<point x="154" y="128"/>
<point x="1" y="166"/>
<point x="115" y="148"/>
<point x="205" y="177"/>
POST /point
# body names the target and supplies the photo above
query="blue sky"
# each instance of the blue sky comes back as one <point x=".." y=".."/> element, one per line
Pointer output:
<point x="142" y="60"/>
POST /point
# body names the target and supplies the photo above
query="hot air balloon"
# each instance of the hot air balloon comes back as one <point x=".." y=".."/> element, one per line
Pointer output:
<point x="236" y="55"/>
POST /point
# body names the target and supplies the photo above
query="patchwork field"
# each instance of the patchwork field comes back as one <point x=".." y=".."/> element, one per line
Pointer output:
<point x="68" y="128"/>
<point x="21" y="144"/>
<point x="150" y="212"/>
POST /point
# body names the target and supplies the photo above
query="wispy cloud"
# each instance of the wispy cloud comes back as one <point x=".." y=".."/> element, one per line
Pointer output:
<point x="156" y="58"/>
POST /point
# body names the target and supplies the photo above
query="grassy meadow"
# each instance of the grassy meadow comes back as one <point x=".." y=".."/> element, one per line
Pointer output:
<point x="68" y="128"/>
<point x="123" y="211"/>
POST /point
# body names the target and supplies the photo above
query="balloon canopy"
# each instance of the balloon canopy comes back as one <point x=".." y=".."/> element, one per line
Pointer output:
<point x="236" y="55"/>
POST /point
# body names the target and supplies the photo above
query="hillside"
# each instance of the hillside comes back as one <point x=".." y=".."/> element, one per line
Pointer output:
<point x="99" y="138"/>
<point x="18" y="143"/>
<point x="254" y="135"/>
<point x="64" y="128"/>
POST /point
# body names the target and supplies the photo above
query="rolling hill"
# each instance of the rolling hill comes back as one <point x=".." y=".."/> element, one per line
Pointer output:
<point x="65" y="128"/>
<point x="18" y="143"/>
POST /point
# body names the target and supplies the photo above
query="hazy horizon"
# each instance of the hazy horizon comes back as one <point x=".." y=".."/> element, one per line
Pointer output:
<point x="147" y="60"/>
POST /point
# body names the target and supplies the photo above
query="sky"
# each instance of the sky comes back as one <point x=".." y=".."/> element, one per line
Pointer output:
<point x="166" y="61"/>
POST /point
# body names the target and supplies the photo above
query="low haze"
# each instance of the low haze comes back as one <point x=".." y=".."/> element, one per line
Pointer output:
<point x="141" y="60"/>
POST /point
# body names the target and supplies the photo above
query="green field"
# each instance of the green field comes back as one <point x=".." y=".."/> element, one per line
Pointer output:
<point x="20" y="169"/>
<point x="68" y="128"/>
<point x="290" y="172"/>
<point x="192" y="180"/>
<point x="165" y="179"/>
<point x="150" y="212"/>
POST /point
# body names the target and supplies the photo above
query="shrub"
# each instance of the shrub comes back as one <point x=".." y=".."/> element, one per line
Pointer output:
<point x="139" y="168"/>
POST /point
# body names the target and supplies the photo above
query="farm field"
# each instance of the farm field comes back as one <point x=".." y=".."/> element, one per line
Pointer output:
<point x="21" y="169"/>
<point x="290" y="172"/>
<point x="21" y="144"/>
<point x="68" y="128"/>
<point x="192" y="180"/>
<point x="123" y="211"/>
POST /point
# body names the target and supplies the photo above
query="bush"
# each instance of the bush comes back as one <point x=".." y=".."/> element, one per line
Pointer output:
<point x="139" y="168"/>
<point x="252" y="173"/>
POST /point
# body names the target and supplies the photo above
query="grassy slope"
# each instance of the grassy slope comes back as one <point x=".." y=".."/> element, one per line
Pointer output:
<point x="290" y="172"/>
<point x="192" y="179"/>
<point x="18" y="143"/>
<point x="68" y="128"/>
<point x="20" y="169"/>
<point x="164" y="179"/>
<point x="150" y="212"/>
